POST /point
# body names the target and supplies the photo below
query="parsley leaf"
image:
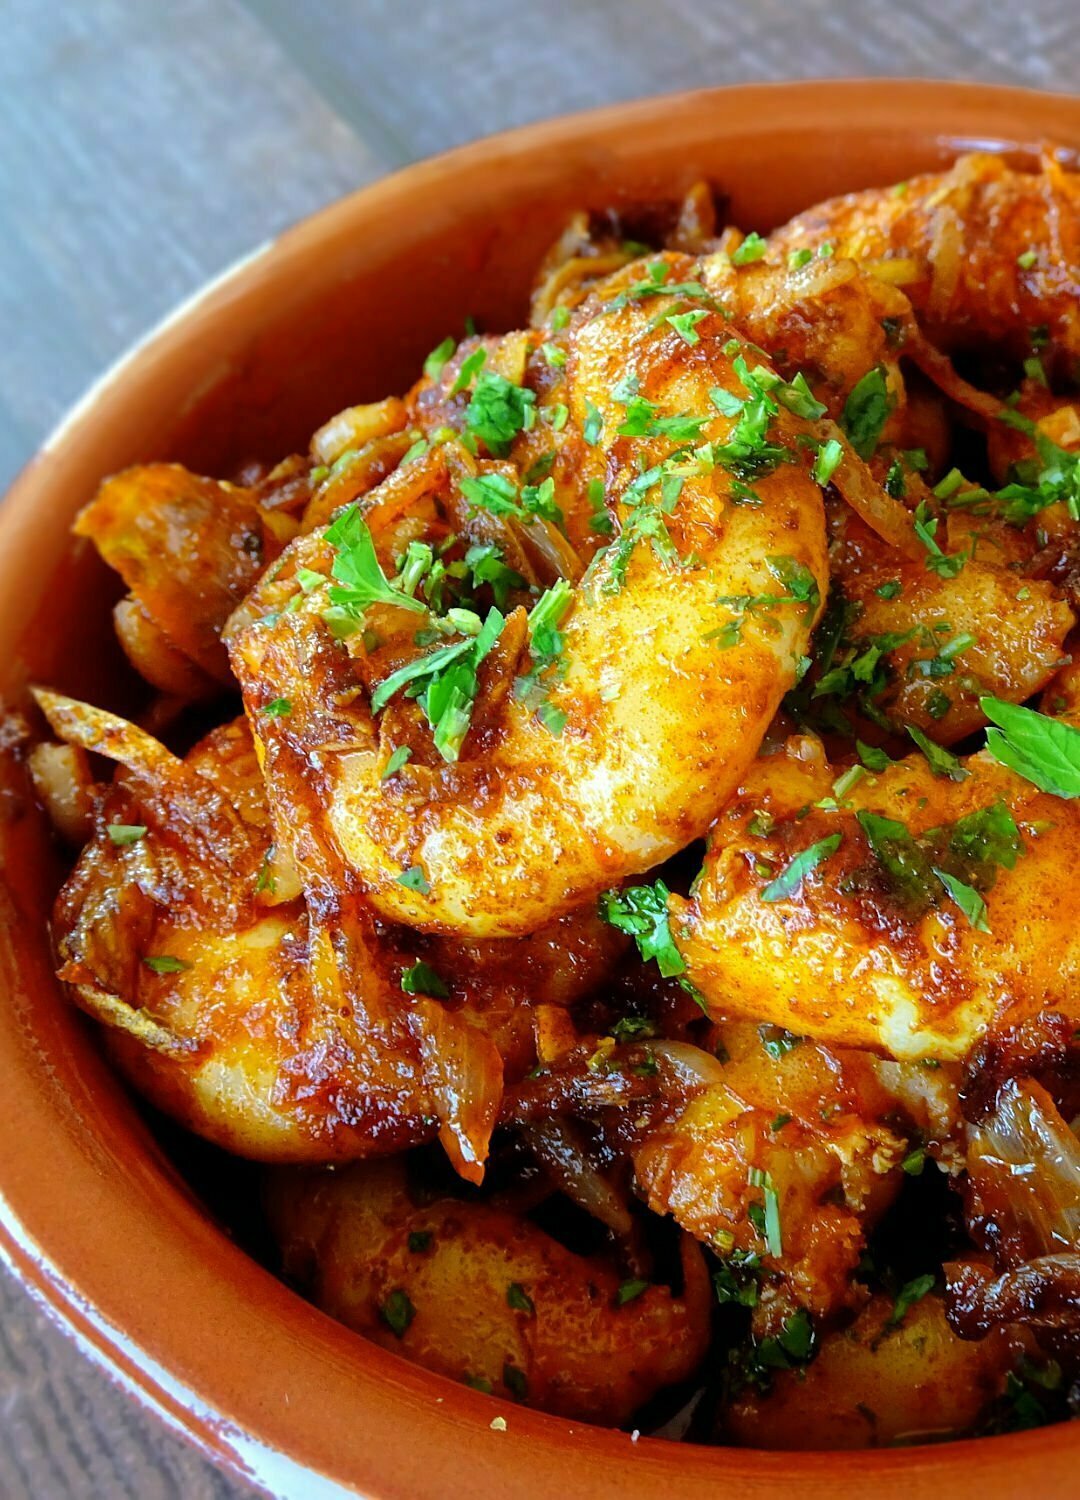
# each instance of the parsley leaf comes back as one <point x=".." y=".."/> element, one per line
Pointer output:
<point x="942" y="762"/>
<point x="395" y="762"/>
<point x="944" y="564"/>
<point x="414" y="879"/>
<point x="789" y="881"/>
<point x="866" y="411"/>
<point x="685" y="324"/>
<point x="1042" y="750"/>
<point x="397" y="1312"/>
<point x="518" y="1298"/>
<point x="422" y="979"/>
<point x="121" y="834"/>
<point x="433" y="365"/>
<point x="752" y="248"/>
<point x="641" y="911"/>
<point x="498" y="411"/>
<point x="910" y="1293"/>
<point x="629" y="1291"/>
<point x="967" y="899"/>
<point x="363" y="582"/>
<point x="166" y="963"/>
<point x="828" y="456"/>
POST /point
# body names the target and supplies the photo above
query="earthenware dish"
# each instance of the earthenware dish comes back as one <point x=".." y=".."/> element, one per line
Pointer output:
<point x="93" y="1216"/>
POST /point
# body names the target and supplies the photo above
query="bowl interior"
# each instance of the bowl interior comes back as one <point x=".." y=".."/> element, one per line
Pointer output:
<point x="342" y="309"/>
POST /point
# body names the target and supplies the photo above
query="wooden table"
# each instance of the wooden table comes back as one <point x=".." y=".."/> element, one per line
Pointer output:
<point x="143" y="146"/>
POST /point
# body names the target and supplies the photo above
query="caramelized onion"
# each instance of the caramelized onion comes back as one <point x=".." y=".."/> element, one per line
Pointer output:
<point x="884" y="515"/>
<point x="463" y="1069"/>
<point x="1024" y="1176"/>
<point x="556" y="1145"/>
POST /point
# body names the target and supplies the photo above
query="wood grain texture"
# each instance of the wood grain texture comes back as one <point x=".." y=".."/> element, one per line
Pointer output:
<point x="143" y="146"/>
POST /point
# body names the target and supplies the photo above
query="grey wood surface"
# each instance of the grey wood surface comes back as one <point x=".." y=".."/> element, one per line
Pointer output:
<point x="144" y="145"/>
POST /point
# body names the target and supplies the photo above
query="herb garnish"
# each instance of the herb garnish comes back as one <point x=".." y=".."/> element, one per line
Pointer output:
<point x="498" y="411"/>
<point x="1042" y="750"/>
<point x="866" y="411"/>
<point x="397" y="1312"/>
<point x="122" y="834"/>
<point x="789" y="882"/>
<point x="422" y="979"/>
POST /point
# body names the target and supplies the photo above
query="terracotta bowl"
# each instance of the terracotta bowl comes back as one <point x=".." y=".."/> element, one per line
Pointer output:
<point x="93" y="1215"/>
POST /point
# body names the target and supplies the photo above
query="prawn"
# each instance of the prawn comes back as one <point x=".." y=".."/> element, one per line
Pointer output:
<point x="987" y="254"/>
<point x="619" y="730"/>
<point x="829" y="915"/>
<point x="184" y="930"/>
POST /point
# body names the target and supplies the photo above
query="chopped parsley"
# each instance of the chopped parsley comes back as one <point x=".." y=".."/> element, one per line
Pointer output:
<point x="498" y="410"/>
<point x="629" y="1291"/>
<point x="436" y="360"/>
<point x="962" y="858"/>
<point x="800" y="588"/>
<point x="770" y="1224"/>
<point x="397" y="1312"/>
<point x="944" y="564"/>
<point x="470" y="366"/>
<point x="738" y="1280"/>
<point x="1042" y="750"/>
<point x="828" y="456"/>
<point x="395" y="762"/>
<point x="866" y="411"/>
<point x="445" y="683"/>
<point x="752" y="248"/>
<point x="941" y="761"/>
<point x="777" y="1041"/>
<point x="789" y="882"/>
<point x="166" y="963"/>
<point x="914" y="1162"/>
<point x="593" y="424"/>
<point x="641" y="911"/>
<point x="414" y="879"/>
<point x="1026" y="259"/>
<point x="122" y="834"/>
<point x="599" y="520"/>
<point x="361" y="581"/>
<point x="967" y="899"/>
<point x="791" y="1348"/>
<point x="873" y="758"/>
<point x="518" y="1298"/>
<point x="910" y="1293"/>
<point x="279" y="708"/>
<point x="685" y="324"/>
<point x="422" y="979"/>
<point x="515" y="1381"/>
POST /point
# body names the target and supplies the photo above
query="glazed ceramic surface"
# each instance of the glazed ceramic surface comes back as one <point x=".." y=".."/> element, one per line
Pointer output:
<point x="342" y="309"/>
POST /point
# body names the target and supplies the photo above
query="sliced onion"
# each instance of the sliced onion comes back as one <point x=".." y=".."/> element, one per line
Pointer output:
<point x="557" y="1146"/>
<point x="1024" y="1174"/>
<point x="463" y="1070"/>
<point x="692" y="1066"/>
<point x="938" y="368"/>
<point x="884" y="515"/>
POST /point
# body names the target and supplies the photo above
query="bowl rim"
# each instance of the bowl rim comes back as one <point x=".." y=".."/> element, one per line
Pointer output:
<point x="562" y="1458"/>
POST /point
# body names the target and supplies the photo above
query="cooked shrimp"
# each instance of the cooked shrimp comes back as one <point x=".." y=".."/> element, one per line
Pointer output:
<point x="188" y="548"/>
<point x="919" y="647"/>
<point x="646" y="723"/>
<point x="988" y="255"/>
<point x="481" y="1295"/>
<point x="867" y="948"/>
<point x="183" y="931"/>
